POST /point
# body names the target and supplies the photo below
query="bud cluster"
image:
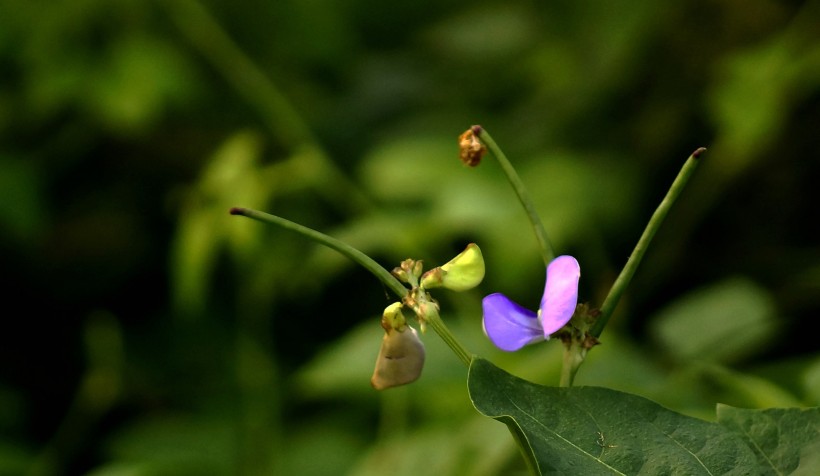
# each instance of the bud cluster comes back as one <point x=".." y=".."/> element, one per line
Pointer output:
<point x="401" y="356"/>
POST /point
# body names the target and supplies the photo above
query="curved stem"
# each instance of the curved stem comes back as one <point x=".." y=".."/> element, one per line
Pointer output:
<point x="521" y="191"/>
<point x="425" y="310"/>
<point x="434" y="320"/>
<point x="652" y="227"/>
<point x="355" y="255"/>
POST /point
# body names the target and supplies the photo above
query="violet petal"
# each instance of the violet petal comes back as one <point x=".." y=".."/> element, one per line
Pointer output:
<point x="508" y="325"/>
<point x="560" y="293"/>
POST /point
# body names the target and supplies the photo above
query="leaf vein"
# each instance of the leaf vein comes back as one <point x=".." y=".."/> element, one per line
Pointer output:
<point x="560" y="437"/>
<point x="760" y="450"/>
<point x="680" y="445"/>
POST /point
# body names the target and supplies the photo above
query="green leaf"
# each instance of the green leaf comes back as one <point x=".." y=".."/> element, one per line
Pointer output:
<point x="782" y="438"/>
<point x="725" y="322"/>
<point x="592" y="430"/>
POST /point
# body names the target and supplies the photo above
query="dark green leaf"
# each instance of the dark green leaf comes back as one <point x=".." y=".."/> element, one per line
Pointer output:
<point x="592" y="430"/>
<point x="782" y="438"/>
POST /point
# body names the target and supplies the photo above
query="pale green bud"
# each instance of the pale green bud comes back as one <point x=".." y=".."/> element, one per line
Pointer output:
<point x="408" y="271"/>
<point x="463" y="272"/>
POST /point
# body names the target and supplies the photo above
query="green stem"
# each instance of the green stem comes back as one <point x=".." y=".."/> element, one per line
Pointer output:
<point x="643" y="243"/>
<point x="521" y="191"/>
<point x="574" y="355"/>
<point x="432" y="319"/>
<point x="352" y="253"/>
<point x="425" y="310"/>
<point x="567" y="373"/>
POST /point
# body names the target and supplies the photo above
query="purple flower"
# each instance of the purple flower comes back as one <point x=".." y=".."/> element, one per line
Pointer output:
<point x="511" y="327"/>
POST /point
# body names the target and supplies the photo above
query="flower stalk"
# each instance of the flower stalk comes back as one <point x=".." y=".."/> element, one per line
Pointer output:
<point x="425" y="309"/>
<point x="649" y="232"/>
<point x="352" y="253"/>
<point x="547" y="253"/>
<point x="429" y="311"/>
<point x="508" y="325"/>
<point x="574" y="355"/>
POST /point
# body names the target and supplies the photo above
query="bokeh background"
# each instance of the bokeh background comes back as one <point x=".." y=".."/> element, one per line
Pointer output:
<point x="147" y="332"/>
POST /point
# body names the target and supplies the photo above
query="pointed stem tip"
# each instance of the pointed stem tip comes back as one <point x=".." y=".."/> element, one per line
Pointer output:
<point x="476" y="129"/>
<point x="698" y="152"/>
<point x="237" y="211"/>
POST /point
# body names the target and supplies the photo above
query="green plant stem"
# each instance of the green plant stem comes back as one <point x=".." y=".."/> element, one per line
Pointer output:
<point x="426" y="311"/>
<point x="432" y="319"/>
<point x="567" y="374"/>
<point x="652" y="227"/>
<point x="352" y="253"/>
<point x="547" y="252"/>
<point x="574" y="355"/>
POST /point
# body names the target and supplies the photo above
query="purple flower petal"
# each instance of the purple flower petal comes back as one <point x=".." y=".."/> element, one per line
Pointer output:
<point x="508" y="325"/>
<point x="560" y="294"/>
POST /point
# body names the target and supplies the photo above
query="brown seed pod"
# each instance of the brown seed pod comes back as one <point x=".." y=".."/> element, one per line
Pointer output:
<point x="400" y="359"/>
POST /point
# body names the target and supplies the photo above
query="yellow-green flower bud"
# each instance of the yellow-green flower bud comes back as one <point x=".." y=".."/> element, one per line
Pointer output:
<point x="400" y="274"/>
<point x="392" y="318"/>
<point x="418" y="267"/>
<point x="400" y="360"/>
<point x="408" y="271"/>
<point x="463" y="272"/>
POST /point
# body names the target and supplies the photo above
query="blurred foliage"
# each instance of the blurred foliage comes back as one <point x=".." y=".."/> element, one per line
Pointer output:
<point x="158" y="335"/>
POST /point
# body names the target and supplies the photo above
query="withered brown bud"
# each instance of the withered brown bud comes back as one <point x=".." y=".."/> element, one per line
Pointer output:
<point x="471" y="150"/>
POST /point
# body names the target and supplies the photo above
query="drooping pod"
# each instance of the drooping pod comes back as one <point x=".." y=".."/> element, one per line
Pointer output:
<point x="400" y="360"/>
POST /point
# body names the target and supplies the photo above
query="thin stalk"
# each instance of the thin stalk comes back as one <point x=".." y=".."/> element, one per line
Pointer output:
<point x="547" y="252"/>
<point x="434" y="320"/>
<point x="426" y="311"/>
<point x="567" y="369"/>
<point x="652" y="227"/>
<point x="574" y="355"/>
<point x="352" y="253"/>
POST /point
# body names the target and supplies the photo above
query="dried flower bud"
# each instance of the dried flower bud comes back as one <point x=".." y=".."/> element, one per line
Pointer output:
<point x="471" y="150"/>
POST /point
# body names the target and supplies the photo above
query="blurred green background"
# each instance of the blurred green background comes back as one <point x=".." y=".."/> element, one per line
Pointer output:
<point x="147" y="332"/>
